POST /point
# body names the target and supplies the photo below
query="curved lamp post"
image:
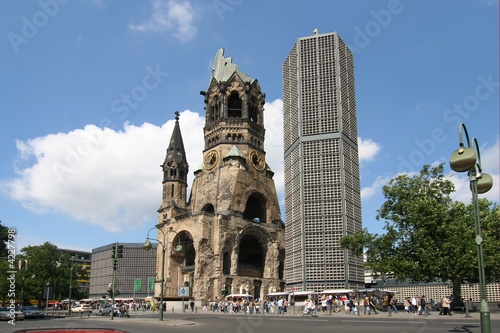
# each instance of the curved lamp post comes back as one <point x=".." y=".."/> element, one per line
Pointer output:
<point x="467" y="159"/>
<point x="147" y="246"/>
<point x="71" y="284"/>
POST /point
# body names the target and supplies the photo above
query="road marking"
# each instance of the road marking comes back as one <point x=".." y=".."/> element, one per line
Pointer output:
<point x="385" y="321"/>
<point x="302" y="319"/>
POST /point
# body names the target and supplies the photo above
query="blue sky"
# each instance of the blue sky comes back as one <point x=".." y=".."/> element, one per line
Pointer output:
<point x="89" y="91"/>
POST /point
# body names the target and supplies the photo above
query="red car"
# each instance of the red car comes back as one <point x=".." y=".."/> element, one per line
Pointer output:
<point x="70" y="330"/>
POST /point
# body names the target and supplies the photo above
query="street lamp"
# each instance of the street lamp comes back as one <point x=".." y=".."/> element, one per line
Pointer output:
<point x="147" y="246"/>
<point x="469" y="159"/>
<point x="71" y="284"/>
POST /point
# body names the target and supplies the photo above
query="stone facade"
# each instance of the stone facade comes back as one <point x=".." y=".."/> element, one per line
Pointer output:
<point x="230" y="229"/>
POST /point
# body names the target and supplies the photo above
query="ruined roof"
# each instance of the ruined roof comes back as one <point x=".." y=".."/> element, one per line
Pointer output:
<point x="223" y="68"/>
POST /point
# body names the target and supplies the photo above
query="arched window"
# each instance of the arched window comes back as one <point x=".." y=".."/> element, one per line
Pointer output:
<point x="253" y="112"/>
<point x="250" y="257"/>
<point x="234" y="105"/>
<point x="209" y="208"/>
<point x="256" y="208"/>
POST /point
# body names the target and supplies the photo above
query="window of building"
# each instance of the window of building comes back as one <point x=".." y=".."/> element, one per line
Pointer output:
<point x="234" y="105"/>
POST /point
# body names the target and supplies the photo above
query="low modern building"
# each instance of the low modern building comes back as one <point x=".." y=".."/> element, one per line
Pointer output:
<point x="84" y="259"/>
<point x="134" y="273"/>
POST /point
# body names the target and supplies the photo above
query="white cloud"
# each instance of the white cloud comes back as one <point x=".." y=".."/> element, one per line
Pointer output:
<point x="367" y="149"/>
<point x="273" y="122"/>
<point x="491" y="2"/>
<point x="113" y="179"/>
<point x="375" y="188"/>
<point x="173" y="16"/>
<point x="101" y="177"/>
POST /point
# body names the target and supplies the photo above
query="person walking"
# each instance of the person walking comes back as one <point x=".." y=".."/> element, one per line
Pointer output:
<point x="423" y="307"/>
<point x="407" y="305"/>
<point x="445" y="307"/>
<point x="414" y="305"/>
<point x="324" y="305"/>
<point x="280" y="306"/>
<point x="372" y="305"/>
<point x="393" y="305"/>
<point x="366" y="303"/>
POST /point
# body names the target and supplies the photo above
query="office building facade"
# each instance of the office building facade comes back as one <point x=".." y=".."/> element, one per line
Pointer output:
<point x="322" y="188"/>
<point x="136" y="264"/>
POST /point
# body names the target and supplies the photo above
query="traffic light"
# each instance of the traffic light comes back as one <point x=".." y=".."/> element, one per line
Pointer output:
<point x="113" y="249"/>
<point x="120" y="251"/>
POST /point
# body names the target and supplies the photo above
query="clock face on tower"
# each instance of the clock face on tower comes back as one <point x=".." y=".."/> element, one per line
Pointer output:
<point x="211" y="159"/>
<point x="257" y="160"/>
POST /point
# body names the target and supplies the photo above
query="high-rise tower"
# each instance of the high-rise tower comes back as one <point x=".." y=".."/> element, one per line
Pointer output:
<point x="322" y="189"/>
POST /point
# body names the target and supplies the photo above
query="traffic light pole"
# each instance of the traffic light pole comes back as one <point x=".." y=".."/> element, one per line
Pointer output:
<point x="115" y="264"/>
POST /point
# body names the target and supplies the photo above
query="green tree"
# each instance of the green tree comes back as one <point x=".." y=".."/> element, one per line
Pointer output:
<point x="4" y="238"/>
<point x="4" y="263"/>
<point x="48" y="266"/>
<point x="428" y="236"/>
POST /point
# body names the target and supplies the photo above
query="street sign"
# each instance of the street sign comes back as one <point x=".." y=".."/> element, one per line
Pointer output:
<point x="183" y="291"/>
<point x="292" y="289"/>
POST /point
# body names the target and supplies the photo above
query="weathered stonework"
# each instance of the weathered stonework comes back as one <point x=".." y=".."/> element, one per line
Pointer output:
<point x="230" y="229"/>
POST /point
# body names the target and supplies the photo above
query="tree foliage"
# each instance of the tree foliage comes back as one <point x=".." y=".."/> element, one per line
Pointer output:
<point x="428" y="236"/>
<point x="46" y="266"/>
<point x="4" y="237"/>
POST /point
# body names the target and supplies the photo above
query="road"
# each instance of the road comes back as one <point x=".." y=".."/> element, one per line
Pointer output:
<point x="220" y="323"/>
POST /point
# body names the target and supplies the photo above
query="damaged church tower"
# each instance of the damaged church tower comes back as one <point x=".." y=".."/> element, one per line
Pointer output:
<point x="230" y="229"/>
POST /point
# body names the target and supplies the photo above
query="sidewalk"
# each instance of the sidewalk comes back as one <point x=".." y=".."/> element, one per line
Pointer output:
<point x="140" y="317"/>
<point x="380" y="314"/>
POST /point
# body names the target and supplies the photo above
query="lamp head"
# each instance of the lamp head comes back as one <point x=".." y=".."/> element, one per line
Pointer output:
<point x="484" y="184"/>
<point x="463" y="159"/>
<point x="178" y="249"/>
<point x="147" y="245"/>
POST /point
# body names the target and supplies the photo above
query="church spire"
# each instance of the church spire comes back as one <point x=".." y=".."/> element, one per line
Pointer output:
<point x="175" y="169"/>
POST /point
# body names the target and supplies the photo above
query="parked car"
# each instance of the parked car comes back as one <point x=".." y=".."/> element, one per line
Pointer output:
<point x="7" y="314"/>
<point x="81" y="308"/>
<point x="105" y="310"/>
<point x="32" y="312"/>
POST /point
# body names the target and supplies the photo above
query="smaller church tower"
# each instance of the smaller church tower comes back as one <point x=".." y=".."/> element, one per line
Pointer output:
<point x="175" y="170"/>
